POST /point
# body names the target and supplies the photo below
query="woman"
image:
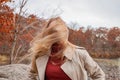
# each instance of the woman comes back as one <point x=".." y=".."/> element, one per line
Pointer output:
<point x="55" y="58"/>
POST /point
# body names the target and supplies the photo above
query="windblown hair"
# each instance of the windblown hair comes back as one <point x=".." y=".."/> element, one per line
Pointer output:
<point x="54" y="31"/>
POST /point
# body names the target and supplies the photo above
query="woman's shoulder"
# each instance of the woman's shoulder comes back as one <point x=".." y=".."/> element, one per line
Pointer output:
<point x="79" y="47"/>
<point x="81" y="51"/>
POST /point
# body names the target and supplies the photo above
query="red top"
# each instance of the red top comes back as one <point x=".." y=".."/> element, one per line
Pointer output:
<point x="54" y="72"/>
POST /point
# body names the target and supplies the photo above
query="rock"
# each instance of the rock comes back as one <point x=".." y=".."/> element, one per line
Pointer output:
<point x="16" y="72"/>
<point x="22" y="72"/>
<point x="112" y="72"/>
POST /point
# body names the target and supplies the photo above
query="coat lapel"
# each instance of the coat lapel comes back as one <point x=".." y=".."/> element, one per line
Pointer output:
<point x="41" y="63"/>
<point x="67" y="69"/>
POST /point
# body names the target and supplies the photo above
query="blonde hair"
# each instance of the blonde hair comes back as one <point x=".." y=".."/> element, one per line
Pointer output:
<point x="54" y="31"/>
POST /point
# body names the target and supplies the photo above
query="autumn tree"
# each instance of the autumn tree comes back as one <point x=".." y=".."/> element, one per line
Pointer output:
<point x="100" y="42"/>
<point x="89" y="38"/>
<point x="113" y="37"/>
<point x="17" y="30"/>
<point x="6" y="24"/>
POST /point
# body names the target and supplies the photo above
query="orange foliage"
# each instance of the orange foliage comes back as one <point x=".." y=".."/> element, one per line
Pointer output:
<point x="113" y="34"/>
<point x="4" y="1"/>
<point x="6" y="19"/>
<point x="101" y="42"/>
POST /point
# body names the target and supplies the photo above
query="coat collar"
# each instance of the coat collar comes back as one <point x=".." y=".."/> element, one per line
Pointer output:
<point x="68" y="52"/>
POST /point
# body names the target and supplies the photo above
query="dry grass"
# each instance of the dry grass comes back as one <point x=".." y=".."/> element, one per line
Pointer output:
<point x="3" y="59"/>
<point x="105" y="55"/>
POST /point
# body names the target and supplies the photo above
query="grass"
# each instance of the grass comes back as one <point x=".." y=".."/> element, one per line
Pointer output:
<point x="3" y="59"/>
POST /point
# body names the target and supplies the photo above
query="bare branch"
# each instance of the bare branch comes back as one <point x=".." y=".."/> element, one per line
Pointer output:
<point x="16" y="55"/>
<point x="24" y="57"/>
<point x="30" y="25"/>
<point x="22" y="4"/>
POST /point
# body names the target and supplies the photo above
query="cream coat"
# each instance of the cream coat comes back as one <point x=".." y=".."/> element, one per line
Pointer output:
<point x="79" y="65"/>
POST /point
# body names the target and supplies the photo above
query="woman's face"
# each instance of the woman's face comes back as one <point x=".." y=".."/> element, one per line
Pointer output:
<point x="57" y="47"/>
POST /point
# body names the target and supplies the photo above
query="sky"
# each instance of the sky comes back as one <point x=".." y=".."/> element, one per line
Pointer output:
<point x="97" y="13"/>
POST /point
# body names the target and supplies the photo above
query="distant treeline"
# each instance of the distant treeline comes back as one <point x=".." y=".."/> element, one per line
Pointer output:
<point x="100" y="42"/>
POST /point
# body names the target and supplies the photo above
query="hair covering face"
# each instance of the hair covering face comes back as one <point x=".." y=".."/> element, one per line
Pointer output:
<point x="54" y="31"/>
